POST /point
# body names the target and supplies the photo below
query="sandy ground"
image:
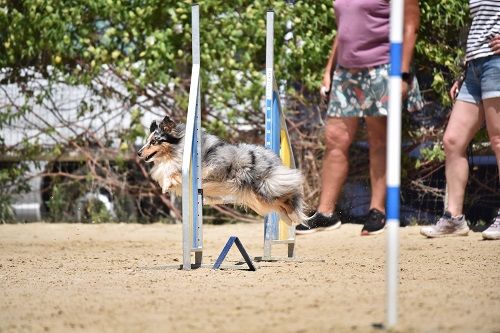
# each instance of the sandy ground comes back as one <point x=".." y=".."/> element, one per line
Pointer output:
<point x="115" y="278"/>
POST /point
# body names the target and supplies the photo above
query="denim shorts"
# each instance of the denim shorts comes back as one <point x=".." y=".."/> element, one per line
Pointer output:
<point x="365" y="93"/>
<point x="482" y="80"/>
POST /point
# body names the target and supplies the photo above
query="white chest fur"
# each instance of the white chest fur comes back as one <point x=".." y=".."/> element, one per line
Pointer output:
<point x="166" y="174"/>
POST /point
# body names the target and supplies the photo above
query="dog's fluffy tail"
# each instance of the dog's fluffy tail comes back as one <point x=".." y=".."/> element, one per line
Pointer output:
<point x="282" y="181"/>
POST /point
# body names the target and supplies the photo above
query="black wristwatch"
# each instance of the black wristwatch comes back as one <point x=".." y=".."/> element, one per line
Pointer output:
<point x="407" y="77"/>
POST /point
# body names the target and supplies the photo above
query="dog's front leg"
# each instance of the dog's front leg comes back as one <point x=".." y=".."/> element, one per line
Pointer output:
<point x="176" y="179"/>
<point x="166" y="185"/>
<point x="171" y="181"/>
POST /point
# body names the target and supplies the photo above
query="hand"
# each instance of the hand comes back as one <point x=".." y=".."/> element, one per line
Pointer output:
<point x="495" y="44"/>
<point x="405" y="87"/>
<point x="324" y="90"/>
<point x="454" y="89"/>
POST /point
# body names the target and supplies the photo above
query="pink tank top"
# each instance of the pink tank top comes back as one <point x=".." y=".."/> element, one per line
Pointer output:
<point x="362" y="32"/>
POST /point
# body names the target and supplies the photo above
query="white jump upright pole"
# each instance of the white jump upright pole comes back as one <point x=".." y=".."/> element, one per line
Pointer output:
<point x="276" y="139"/>
<point x="394" y="161"/>
<point x="271" y="141"/>
<point x="192" y="195"/>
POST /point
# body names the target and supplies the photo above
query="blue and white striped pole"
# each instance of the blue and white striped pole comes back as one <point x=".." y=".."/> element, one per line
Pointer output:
<point x="394" y="161"/>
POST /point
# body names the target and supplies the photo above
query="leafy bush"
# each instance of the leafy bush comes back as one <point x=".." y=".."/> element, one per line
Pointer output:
<point x="134" y="57"/>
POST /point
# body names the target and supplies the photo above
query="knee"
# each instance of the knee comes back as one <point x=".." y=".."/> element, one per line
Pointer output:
<point x="495" y="143"/>
<point x="378" y="144"/>
<point x="453" y="144"/>
<point x="338" y="140"/>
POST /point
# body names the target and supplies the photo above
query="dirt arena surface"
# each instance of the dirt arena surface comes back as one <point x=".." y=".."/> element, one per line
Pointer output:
<point x="115" y="278"/>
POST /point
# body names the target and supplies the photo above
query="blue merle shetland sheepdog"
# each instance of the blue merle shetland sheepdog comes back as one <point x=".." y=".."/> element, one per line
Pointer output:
<point x="243" y="174"/>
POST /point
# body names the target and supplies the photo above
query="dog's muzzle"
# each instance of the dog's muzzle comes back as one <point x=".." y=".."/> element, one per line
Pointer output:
<point x="139" y="153"/>
<point x="146" y="158"/>
<point x="149" y="157"/>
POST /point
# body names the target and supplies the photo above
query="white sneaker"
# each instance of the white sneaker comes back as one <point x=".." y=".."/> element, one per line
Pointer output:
<point x="493" y="232"/>
<point x="447" y="226"/>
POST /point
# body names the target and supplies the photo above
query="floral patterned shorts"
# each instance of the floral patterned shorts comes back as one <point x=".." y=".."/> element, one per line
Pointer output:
<point x="365" y="93"/>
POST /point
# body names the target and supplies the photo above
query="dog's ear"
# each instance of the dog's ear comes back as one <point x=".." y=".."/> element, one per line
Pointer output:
<point x="167" y="125"/>
<point x="169" y="132"/>
<point x="153" y="126"/>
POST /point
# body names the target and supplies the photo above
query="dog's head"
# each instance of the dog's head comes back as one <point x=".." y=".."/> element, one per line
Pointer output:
<point x="161" y="140"/>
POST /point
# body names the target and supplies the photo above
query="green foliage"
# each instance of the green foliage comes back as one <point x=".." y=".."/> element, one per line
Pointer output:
<point x="96" y="212"/>
<point x="434" y="153"/>
<point x="151" y="42"/>
<point x="57" y="203"/>
<point x="12" y="182"/>
<point x="441" y="44"/>
<point x="145" y="46"/>
<point x="70" y="201"/>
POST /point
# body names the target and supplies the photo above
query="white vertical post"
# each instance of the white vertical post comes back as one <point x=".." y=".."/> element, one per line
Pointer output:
<point x="195" y="33"/>
<point x="270" y="136"/>
<point x="191" y="160"/>
<point x="394" y="161"/>
<point x="276" y="139"/>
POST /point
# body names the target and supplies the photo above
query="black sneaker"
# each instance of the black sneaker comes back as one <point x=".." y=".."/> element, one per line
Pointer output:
<point x="318" y="222"/>
<point x="375" y="224"/>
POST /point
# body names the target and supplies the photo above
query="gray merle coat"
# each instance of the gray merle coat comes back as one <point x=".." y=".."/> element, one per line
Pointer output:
<point x="244" y="174"/>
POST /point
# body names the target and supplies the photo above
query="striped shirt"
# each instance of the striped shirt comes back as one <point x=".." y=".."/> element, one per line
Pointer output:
<point x="485" y="24"/>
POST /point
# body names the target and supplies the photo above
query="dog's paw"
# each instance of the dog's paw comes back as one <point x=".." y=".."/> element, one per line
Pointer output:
<point x="166" y="186"/>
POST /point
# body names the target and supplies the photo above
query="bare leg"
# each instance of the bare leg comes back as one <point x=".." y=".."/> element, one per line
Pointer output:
<point x="339" y="134"/>
<point x="492" y="115"/>
<point x="465" y="120"/>
<point x="377" y="134"/>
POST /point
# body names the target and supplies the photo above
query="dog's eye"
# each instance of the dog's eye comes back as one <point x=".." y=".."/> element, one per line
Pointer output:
<point x="157" y="138"/>
<point x="153" y="142"/>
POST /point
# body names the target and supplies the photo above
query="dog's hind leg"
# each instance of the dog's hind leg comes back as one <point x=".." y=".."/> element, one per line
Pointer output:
<point x="263" y="208"/>
<point x="292" y="209"/>
<point x="256" y="204"/>
<point x="284" y="210"/>
<point x="285" y="216"/>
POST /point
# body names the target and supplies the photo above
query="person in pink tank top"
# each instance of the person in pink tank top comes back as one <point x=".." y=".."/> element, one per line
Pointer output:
<point x="356" y="81"/>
